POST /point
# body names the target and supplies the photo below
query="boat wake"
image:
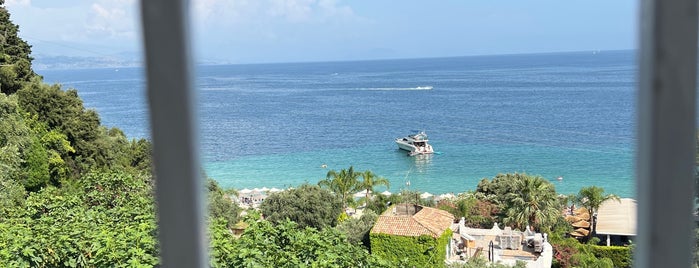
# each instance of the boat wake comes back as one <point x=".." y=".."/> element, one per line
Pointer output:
<point x="398" y="88"/>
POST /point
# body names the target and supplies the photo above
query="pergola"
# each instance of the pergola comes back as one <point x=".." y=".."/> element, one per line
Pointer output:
<point x="617" y="218"/>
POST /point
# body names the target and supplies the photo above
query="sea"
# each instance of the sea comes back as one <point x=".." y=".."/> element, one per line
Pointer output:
<point x="568" y="117"/>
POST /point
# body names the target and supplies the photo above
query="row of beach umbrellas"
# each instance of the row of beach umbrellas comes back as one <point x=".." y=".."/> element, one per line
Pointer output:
<point x="359" y="194"/>
<point x="424" y="195"/>
<point x="259" y="190"/>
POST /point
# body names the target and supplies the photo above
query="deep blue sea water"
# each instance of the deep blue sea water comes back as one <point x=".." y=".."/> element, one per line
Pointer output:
<point x="560" y="114"/>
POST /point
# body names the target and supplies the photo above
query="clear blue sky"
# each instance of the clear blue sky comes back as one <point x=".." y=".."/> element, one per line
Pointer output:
<point x="246" y="31"/>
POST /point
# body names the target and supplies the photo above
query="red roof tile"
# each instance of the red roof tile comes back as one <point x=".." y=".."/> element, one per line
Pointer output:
<point x="427" y="221"/>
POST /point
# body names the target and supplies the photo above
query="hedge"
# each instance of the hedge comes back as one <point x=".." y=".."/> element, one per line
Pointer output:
<point x="620" y="256"/>
<point x="411" y="251"/>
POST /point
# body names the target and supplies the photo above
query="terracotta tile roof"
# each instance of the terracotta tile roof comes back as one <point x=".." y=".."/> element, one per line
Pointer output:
<point x="427" y="221"/>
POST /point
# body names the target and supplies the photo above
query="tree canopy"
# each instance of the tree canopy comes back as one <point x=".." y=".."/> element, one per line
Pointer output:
<point x="307" y="205"/>
<point x="523" y="199"/>
<point x="15" y="59"/>
<point x="343" y="183"/>
<point x="286" y="244"/>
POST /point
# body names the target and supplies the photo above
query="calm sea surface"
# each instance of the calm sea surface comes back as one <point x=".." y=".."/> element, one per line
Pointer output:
<point x="564" y="114"/>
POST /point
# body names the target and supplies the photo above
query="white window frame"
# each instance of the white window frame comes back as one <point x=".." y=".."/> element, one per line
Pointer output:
<point x="666" y="133"/>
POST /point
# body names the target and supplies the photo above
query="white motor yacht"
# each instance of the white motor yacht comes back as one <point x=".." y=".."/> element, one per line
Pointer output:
<point x="415" y="144"/>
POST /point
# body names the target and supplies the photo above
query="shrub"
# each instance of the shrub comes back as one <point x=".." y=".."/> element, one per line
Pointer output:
<point x="308" y="205"/>
<point x="620" y="256"/>
<point x="415" y="251"/>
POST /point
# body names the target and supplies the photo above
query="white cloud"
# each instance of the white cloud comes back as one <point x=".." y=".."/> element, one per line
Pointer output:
<point x="112" y="19"/>
<point x="292" y="10"/>
<point x="16" y="3"/>
<point x="228" y="12"/>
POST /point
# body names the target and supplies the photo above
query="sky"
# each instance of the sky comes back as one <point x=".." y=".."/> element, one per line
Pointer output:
<point x="257" y="31"/>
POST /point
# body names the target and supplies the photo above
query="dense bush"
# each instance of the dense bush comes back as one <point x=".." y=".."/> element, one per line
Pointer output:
<point x="307" y="205"/>
<point x="419" y="251"/>
<point x="220" y="205"/>
<point x="476" y="213"/>
<point x="286" y="244"/>
<point x="522" y="200"/>
<point x="15" y="62"/>
<point x="571" y="253"/>
<point x="357" y="230"/>
<point x="108" y="221"/>
<point x="621" y="256"/>
<point x="480" y="262"/>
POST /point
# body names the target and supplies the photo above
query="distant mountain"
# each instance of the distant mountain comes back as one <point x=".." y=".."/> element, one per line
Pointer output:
<point x="44" y="62"/>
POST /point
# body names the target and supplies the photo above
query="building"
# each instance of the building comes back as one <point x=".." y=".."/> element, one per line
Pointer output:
<point x="422" y="235"/>
<point x="616" y="221"/>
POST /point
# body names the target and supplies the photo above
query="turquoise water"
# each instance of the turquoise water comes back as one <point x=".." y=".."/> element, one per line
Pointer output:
<point x="567" y="115"/>
<point x="458" y="168"/>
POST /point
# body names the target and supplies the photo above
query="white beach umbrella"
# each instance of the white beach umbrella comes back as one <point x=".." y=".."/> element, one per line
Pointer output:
<point x="361" y="194"/>
<point x="426" y="195"/>
<point x="245" y="191"/>
<point x="386" y="193"/>
<point x="446" y="196"/>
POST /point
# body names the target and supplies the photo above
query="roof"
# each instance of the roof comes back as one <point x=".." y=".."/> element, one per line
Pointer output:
<point x="415" y="221"/>
<point x="617" y="218"/>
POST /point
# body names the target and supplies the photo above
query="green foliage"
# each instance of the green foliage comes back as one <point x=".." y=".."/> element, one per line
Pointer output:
<point x="15" y="138"/>
<point x="586" y="260"/>
<point x="523" y="199"/>
<point x="15" y="62"/>
<point x="342" y="183"/>
<point x="480" y="262"/>
<point x="37" y="166"/>
<point x="76" y="136"/>
<point x="380" y="203"/>
<point x="420" y="251"/>
<point x="476" y="213"/>
<point x="620" y="256"/>
<point x="220" y="205"/>
<point x="109" y="221"/>
<point x="369" y="181"/>
<point x="286" y="244"/>
<point x="592" y="198"/>
<point x="307" y="205"/>
<point x="221" y="243"/>
<point x="571" y="253"/>
<point x="563" y="251"/>
<point x="12" y="196"/>
<point x="357" y="230"/>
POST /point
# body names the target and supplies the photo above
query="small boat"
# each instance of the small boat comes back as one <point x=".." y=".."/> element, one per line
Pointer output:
<point x="415" y="144"/>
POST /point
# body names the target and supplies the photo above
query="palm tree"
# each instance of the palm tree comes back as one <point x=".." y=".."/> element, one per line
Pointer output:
<point x="534" y="203"/>
<point x="341" y="183"/>
<point x="592" y="198"/>
<point x="369" y="181"/>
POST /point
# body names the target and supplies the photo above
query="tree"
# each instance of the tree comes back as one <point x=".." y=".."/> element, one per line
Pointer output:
<point x="286" y="244"/>
<point x="107" y="220"/>
<point x="476" y="213"/>
<point x="15" y="62"/>
<point x="342" y="183"/>
<point x="369" y="181"/>
<point x="534" y="203"/>
<point x="220" y="205"/>
<point x="357" y="229"/>
<point x="592" y="198"/>
<point x="307" y="205"/>
<point x="522" y="199"/>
